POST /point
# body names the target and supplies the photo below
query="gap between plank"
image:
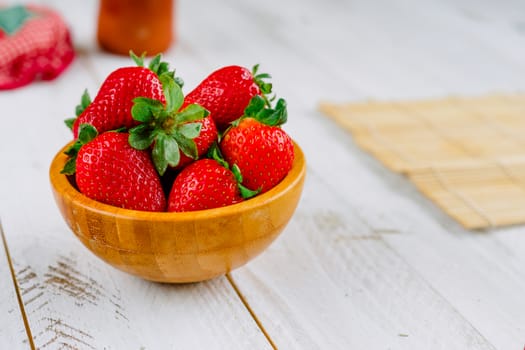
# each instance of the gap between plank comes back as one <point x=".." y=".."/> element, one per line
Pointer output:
<point x="250" y="310"/>
<point x="17" y="290"/>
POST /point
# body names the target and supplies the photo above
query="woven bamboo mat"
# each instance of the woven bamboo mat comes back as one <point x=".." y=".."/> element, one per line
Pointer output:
<point x="465" y="154"/>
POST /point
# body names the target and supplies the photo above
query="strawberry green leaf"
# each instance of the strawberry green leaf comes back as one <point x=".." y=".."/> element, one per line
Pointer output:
<point x="141" y="136"/>
<point x="154" y="64"/>
<point x="86" y="133"/>
<point x="214" y="153"/>
<point x="165" y="152"/>
<point x="70" y="122"/>
<point x="267" y="116"/>
<point x="256" y="105"/>
<point x="70" y="167"/>
<point x="171" y="151"/>
<point x="237" y="173"/>
<point x="190" y="130"/>
<point x="139" y="61"/>
<point x="163" y="71"/>
<point x="160" y="67"/>
<point x="192" y="112"/>
<point x="158" y="155"/>
<point x="178" y="81"/>
<point x="245" y="192"/>
<point x="85" y="101"/>
<point x="73" y="149"/>
<point x="172" y="93"/>
<point x="263" y="76"/>
<point x="151" y="102"/>
<point x="258" y="110"/>
<point x="281" y="108"/>
<point x="146" y="109"/>
<point x="141" y="112"/>
<point x="187" y="146"/>
<point x="265" y="87"/>
<point x="121" y="129"/>
<point x="169" y="130"/>
<point x="157" y="66"/>
<point x="164" y="68"/>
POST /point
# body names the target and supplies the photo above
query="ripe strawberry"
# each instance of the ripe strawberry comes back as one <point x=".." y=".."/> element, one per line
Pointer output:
<point x="111" y="108"/>
<point x="176" y="134"/>
<point x="204" y="184"/>
<point x="110" y="171"/>
<point x="256" y="143"/>
<point x="226" y="92"/>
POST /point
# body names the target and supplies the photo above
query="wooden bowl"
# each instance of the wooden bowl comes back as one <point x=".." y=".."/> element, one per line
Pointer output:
<point x="179" y="247"/>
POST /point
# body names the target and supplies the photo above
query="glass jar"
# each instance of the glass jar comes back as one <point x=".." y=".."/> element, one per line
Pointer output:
<point x="138" y="25"/>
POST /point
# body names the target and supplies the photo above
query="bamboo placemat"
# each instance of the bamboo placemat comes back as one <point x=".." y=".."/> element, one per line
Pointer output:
<point x="465" y="154"/>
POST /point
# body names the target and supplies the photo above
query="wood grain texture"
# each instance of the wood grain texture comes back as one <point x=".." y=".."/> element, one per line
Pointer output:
<point x="74" y="299"/>
<point x="13" y="331"/>
<point x="466" y="154"/>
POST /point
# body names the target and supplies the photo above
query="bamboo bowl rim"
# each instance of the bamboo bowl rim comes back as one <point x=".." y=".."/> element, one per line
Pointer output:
<point x="62" y="185"/>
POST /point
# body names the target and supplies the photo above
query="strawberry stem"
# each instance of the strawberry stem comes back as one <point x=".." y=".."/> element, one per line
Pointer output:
<point x="265" y="87"/>
<point x="157" y="66"/>
<point x="85" y="101"/>
<point x="245" y="191"/>
<point x="87" y="132"/>
<point x="215" y="153"/>
<point x="139" y="61"/>
<point x="260" y="106"/>
<point x="258" y="109"/>
<point x="166" y="127"/>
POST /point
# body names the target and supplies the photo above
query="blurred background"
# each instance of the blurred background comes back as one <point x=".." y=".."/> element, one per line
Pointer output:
<point x="351" y="49"/>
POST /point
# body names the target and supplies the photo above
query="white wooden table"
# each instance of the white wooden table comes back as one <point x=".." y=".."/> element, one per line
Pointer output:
<point x="366" y="262"/>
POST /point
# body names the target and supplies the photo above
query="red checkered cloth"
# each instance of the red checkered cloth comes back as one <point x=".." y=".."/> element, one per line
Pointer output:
<point x="35" y="43"/>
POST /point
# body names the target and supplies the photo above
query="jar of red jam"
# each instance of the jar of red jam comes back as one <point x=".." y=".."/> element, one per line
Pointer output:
<point x="138" y="25"/>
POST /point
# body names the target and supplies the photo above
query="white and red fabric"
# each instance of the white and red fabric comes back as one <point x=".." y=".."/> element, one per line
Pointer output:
<point x="37" y="46"/>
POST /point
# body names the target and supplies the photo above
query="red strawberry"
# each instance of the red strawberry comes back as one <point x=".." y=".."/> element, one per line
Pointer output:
<point x="204" y="184"/>
<point x="176" y="134"/>
<point x="262" y="150"/>
<point x="227" y="91"/>
<point x="111" y="108"/>
<point x="109" y="170"/>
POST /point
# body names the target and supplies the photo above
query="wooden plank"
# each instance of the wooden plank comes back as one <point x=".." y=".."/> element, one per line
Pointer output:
<point x="481" y="282"/>
<point x="72" y="298"/>
<point x="13" y="332"/>
<point x="473" y="289"/>
<point x="344" y="287"/>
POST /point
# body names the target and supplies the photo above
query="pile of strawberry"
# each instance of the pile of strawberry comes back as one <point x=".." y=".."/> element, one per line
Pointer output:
<point x="141" y="144"/>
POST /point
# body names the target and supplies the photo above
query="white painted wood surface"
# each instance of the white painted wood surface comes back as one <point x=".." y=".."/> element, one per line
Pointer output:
<point x="12" y="329"/>
<point x="366" y="263"/>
